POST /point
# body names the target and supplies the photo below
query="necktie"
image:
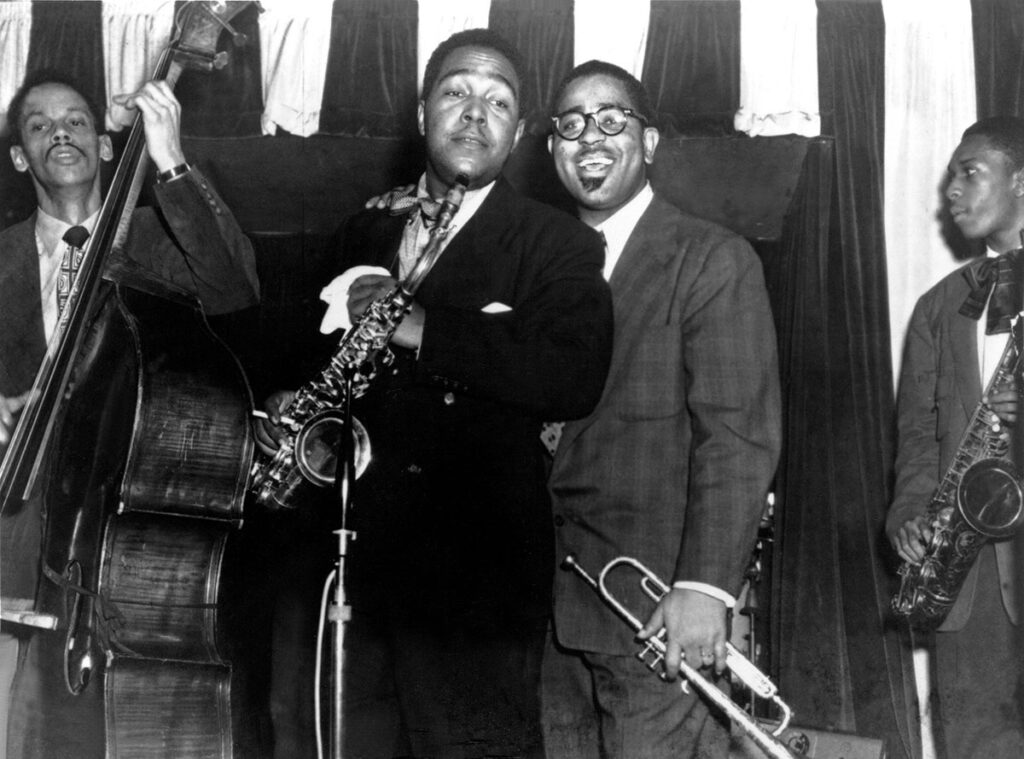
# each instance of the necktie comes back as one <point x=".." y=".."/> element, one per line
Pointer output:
<point x="1000" y="276"/>
<point x="75" y="238"/>
<point x="550" y="434"/>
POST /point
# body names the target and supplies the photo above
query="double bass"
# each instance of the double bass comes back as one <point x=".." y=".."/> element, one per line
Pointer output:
<point x="136" y="438"/>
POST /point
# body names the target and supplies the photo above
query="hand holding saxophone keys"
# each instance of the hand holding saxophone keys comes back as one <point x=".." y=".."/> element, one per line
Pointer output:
<point x="271" y="429"/>
<point x="912" y="539"/>
<point x="1003" y="402"/>
<point x="371" y="287"/>
<point x="365" y="290"/>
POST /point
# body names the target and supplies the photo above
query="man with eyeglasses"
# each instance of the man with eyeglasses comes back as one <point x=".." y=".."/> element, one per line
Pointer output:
<point x="673" y="466"/>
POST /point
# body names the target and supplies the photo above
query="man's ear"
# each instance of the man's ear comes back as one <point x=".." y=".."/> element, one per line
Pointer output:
<point x="651" y="137"/>
<point x="519" y="133"/>
<point x="106" y="148"/>
<point x="18" y="158"/>
<point x="420" y="117"/>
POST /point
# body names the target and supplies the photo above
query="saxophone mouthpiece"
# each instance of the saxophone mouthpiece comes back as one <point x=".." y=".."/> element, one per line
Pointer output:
<point x="452" y="200"/>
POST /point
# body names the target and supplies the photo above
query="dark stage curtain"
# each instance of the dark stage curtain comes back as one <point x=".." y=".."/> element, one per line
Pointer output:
<point x="68" y="36"/>
<point x="371" y="69"/>
<point x="542" y="30"/>
<point x="842" y="662"/>
<point x="999" y="56"/>
<point x="692" y="65"/>
<point x="226" y="102"/>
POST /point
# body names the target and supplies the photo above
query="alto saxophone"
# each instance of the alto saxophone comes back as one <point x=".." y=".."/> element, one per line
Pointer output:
<point x="314" y="419"/>
<point x="979" y="498"/>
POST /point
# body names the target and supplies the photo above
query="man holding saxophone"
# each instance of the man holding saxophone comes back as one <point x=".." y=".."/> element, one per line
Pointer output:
<point x="955" y="340"/>
<point x="450" y="574"/>
<point x="673" y="466"/>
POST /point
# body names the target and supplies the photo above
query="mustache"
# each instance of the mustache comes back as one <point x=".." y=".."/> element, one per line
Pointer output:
<point x="63" y="145"/>
<point x="472" y="131"/>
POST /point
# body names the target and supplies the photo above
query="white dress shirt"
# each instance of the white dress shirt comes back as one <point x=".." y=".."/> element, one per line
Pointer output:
<point x="619" y="226"/>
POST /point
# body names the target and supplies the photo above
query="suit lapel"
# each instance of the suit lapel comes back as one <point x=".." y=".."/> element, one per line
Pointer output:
<point x="967" y="374"/>
<point x="468" y="250"/>
<point x="23" y="342"/>
<point x="640" y="268"/>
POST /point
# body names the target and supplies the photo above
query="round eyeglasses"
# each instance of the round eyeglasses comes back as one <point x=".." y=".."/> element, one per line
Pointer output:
<point x="611" y="120"/>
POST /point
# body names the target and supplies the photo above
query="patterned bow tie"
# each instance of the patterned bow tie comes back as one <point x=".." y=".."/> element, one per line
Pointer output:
<point x="429" y="208"/>
<point x="1000" y="276"/>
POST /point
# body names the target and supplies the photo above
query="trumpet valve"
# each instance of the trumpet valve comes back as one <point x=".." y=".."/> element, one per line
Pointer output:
<point x="652" y="656"/>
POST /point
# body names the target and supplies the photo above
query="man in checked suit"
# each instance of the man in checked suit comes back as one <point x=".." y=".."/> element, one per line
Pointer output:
<point x="450" y="574"/>
<point x="673" y="466"/>
<point x="950" y="353"/>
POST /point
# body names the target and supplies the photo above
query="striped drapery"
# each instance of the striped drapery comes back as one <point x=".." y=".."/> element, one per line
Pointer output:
<point x="291" y="47"/>
<point x="892" y="82"/>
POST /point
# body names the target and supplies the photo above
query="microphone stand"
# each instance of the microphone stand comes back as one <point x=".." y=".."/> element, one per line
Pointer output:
<point x="340" y="611"/>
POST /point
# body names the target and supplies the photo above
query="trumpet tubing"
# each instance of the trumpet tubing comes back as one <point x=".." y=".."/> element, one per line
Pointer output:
<point x="653" y="653"/>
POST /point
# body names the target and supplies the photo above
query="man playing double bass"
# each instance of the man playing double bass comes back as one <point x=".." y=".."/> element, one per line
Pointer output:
<point x="190" y="244"/>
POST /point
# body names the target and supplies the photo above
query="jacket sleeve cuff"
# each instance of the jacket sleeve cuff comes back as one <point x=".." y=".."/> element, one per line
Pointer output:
<point x="708" y="590"/>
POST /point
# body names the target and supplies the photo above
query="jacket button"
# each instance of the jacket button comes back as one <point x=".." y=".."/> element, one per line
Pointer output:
<point x="559" y="520"/>
<point x="449" y="399"/>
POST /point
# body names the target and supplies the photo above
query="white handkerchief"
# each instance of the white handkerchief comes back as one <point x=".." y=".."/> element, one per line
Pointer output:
<point x="496" y="308"/>
<point x="335" y="295"/>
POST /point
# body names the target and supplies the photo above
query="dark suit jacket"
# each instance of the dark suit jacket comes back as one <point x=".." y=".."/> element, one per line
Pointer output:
<point x="453" y="512"/>
<point x="940" y="388"/>
<point x="208" y="256"/>
<point x="673" y="466"/>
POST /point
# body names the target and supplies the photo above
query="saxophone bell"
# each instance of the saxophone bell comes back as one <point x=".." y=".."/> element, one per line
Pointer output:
<point x="309" y="456"/>
<point x="317" y="443"/>
<point x="990" y="498"/>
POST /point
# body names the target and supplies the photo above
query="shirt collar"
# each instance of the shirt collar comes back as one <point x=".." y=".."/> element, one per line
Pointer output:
<point x="50" y="230"/>
<point x="619" y="226"/>
<point x="471" y="201"/>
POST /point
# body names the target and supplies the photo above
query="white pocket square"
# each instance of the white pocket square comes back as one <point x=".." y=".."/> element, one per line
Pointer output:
<point x="496" y="308"/>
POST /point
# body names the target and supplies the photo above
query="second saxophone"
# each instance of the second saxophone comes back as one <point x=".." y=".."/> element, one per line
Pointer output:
<point x="979" y="498"/>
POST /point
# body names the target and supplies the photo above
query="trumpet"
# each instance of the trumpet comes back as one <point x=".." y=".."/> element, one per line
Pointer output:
<point x="653" y="653"/>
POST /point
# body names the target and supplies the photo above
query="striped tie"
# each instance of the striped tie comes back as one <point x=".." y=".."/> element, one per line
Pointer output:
<point x="75" y="238"/>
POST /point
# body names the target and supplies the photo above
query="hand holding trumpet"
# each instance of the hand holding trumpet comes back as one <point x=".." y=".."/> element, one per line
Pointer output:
<point x="689" y="634"/>
<point x="695" y="627"/>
